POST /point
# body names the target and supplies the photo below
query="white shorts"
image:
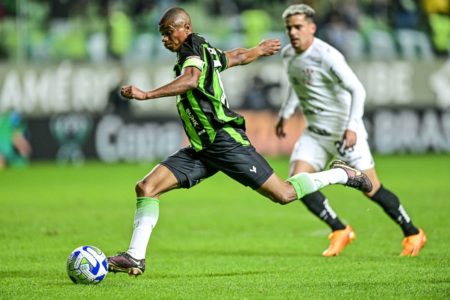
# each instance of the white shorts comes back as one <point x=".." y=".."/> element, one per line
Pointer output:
<point x="318" y="151"/>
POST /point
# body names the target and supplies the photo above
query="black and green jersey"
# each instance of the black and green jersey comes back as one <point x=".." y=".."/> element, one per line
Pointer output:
<point x="204" y="110"/>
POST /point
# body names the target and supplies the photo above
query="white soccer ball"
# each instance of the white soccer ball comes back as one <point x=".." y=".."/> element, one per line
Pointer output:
<point x="87" y="265"/>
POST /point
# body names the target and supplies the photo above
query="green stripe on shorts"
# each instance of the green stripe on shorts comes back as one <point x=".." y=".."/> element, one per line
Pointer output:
<point x="236" y="136"/>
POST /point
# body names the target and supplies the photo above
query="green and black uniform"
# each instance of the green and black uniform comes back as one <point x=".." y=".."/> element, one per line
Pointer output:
<point x="216" y="133"/>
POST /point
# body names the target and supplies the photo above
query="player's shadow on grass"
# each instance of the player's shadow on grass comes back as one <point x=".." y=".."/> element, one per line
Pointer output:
<point x="206" y="275"/>
<point x="18" y="274"/>
<point x="241" y="253"/>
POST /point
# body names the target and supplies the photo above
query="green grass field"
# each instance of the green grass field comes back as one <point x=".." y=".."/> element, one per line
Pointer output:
<point x="220" y="240"/>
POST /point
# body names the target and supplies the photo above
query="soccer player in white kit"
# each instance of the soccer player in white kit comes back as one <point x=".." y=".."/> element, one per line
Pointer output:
<point x="332" y="101"/>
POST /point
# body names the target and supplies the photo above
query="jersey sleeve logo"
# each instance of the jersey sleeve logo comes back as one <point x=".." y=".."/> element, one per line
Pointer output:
<point x="213" y="52"/>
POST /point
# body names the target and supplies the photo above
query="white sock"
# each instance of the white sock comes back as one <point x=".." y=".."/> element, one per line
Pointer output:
<point x="306" y="183"/>
<point x="145" y="219"/>
<point x="333" y="176"/>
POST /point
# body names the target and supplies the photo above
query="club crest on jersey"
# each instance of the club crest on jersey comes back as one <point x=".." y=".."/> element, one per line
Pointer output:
<point x="307" y="75"/>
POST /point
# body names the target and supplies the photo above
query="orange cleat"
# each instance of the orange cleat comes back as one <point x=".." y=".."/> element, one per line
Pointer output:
<point x="413" y="244"/>
<point x="339" y="239"/>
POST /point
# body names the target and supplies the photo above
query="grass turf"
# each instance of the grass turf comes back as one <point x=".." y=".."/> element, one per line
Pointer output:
<point x="219" y="239"/>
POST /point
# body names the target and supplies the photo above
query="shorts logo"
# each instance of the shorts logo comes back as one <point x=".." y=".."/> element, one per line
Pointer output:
<point x="340" y="146"/>
<point x="253" y="169"/>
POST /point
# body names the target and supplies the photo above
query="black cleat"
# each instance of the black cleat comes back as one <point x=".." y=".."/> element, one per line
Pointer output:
<point x="356" y="178"/>
<point x="124" y="262"/>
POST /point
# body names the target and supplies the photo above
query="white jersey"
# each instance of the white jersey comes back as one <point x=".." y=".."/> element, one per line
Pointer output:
<point x="331" y="96"/>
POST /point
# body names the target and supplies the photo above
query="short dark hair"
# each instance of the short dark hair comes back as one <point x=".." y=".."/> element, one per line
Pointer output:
<point x="177" y="15"/>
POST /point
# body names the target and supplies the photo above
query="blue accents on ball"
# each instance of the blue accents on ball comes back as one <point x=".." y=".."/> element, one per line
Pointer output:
<point x="87" y="265"/>
<point x="105" y="264"/>
<point x="95" y="269"/>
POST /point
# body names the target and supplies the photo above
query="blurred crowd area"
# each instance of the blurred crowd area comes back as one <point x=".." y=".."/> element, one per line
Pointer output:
<point x="98" y="31"/>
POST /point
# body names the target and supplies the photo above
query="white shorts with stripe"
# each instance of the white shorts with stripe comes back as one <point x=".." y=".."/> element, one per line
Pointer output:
<point x="319" y="150"/>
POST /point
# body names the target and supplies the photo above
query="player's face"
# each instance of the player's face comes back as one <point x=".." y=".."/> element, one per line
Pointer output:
<point x="300" y="31"/>
<point x="173" y="36"/>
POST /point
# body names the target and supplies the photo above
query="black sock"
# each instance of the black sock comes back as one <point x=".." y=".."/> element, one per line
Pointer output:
<point x="391" y="205"/>
<point x="318" y="205"/>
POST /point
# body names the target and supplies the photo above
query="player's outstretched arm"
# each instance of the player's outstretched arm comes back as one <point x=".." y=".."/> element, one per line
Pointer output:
<point x="242" y="56"/>
<point x="183" y="83"/>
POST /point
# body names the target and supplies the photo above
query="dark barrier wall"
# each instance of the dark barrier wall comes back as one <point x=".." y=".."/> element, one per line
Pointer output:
<point x="110" y="138"/>
<point x="113" y="137"/>
<point x="408" y="130"/>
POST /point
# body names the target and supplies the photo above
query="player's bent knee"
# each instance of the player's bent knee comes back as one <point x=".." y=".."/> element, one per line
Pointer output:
<point x="278" y="191"/>
<point x="283" y="202"/>
<point x="286" y="195"/>
<point x="145" y="188"/>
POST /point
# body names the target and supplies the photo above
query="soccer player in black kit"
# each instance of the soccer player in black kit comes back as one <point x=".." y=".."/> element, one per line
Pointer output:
<point x="216" y="134"/>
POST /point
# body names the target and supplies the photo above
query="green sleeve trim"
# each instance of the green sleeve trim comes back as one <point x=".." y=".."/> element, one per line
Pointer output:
<point x="226" y="62"/>
<point x="193" y="62"/>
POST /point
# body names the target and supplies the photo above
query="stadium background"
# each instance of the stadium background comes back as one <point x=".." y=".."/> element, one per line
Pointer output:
<point x="62" y="62"/>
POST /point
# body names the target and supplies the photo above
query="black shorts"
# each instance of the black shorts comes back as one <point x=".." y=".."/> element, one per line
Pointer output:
<point x="237" y="159"/>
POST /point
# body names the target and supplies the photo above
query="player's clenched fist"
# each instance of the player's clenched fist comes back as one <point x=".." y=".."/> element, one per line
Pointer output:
<point x="132" y="92"/>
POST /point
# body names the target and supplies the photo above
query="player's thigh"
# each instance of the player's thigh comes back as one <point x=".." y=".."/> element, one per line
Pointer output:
<point x="300" y="166"/>
<point x="187" y="167"/>
<point x="310" y="153"/>
<point x="158" y="181"/>
<point x="359" y="156"/>
<point x="233" y="154"/>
